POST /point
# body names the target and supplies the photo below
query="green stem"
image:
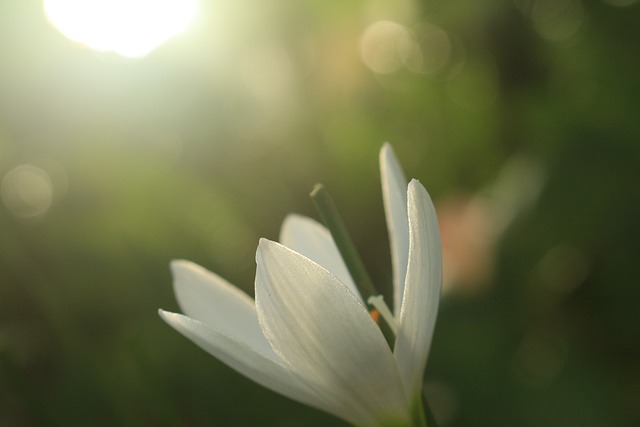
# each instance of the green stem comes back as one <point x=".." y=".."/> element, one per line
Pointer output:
<point x="332" y="220"/>
<point x="431" y="421"/>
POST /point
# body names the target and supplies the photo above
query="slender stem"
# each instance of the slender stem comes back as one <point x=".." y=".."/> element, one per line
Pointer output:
<point x="331" y="218"/>
<point x="431" y="421"/>
<point x="333" y="221"/>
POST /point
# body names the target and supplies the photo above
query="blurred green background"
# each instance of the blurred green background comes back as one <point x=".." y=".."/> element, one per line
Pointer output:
<point x="520" y="117"/>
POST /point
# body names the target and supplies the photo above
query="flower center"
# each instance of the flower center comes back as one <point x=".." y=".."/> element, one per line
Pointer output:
<point x="381" y="309"/>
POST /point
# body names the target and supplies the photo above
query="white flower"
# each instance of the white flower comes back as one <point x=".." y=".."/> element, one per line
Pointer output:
<point x="309" y="335"/>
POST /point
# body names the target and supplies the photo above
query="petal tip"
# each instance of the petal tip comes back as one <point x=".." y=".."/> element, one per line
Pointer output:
<point x="415" y="186"/>
<point x="266" y="244"/>
<point x="292" y="216"/>
<point x="177" y="265"/>
<point x="184" y="274"/>
<point x="167" y="316"/>
<point x="290" y="223"/>
<point x="386" y="151"/>
<point x="178" y="321"/>
<point x="265" y="247"/>
<point x="262" y="244"/>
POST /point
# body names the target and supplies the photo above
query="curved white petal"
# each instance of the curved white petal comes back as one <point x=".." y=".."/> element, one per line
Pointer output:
<point x="394" y="194"/>
<point x="313" y="240"/>
<point x="266" y="370"/>
<point x="326" y="335"/>
<point x="422" y="289"/>
<point x="205" y="296"/>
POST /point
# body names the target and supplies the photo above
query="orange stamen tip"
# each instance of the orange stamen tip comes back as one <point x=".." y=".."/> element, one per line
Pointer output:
<point x="375" y="315"/>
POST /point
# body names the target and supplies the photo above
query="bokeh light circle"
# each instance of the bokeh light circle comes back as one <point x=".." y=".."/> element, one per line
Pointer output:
<point x="27" y="191"/>
<point x="386" y="47"/>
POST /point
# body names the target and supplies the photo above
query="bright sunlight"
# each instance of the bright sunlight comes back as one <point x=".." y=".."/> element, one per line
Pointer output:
<point x="130" y="28"/>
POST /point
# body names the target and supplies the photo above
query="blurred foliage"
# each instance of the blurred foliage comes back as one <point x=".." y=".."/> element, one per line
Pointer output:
<point x="110" y="168"/>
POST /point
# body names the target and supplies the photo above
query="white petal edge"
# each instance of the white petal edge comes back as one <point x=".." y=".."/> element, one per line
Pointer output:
<point x="311" y="239"/>
<point x="325" y="333"/>
<point x="422" y="289"/>
<point x="394" y="196"/>
<point x="263" y="369"/>
<point x="205" y="296"/>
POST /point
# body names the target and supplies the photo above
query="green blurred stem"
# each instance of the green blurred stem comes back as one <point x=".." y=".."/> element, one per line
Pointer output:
<point x="431" y="421"/>
<point x="333" y="221"/>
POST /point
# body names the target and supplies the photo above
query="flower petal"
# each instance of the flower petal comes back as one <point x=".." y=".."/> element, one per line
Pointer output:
<point x="205" y="296"/>
<point x="325" y="333"/>
<point x="394" y="194"/>
<point x="422" y="289"/>
<point x="266" y="370"/>
<point x="313" y="240"/>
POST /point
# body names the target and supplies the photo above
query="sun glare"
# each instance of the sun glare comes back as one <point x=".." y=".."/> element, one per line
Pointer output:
<point x="130" y="28"/>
